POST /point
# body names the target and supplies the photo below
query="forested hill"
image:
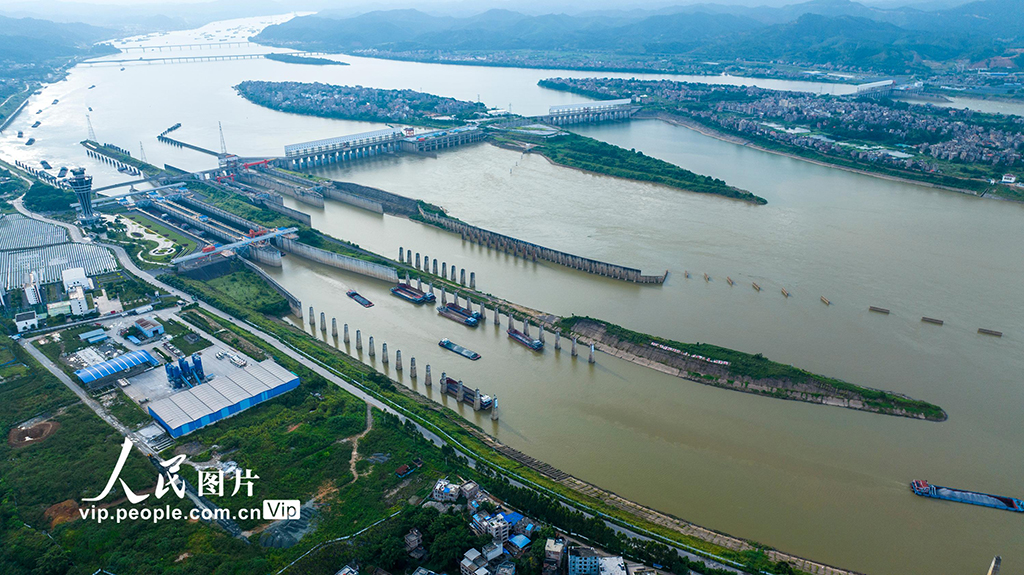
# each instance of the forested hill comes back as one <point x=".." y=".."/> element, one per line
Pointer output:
<point x="33" y="41"/>
<point x="838" y="32"/>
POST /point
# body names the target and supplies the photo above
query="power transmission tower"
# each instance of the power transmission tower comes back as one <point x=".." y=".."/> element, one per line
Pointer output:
<point x="92" y="133"/>
<point x="142" y="153"/>
<point x="223" y="146"/>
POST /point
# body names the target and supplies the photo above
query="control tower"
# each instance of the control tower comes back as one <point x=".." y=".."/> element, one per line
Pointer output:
<point x="81" y="184"/>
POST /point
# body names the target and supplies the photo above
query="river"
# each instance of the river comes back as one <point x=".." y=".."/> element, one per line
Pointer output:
<point x="826" y="483"/>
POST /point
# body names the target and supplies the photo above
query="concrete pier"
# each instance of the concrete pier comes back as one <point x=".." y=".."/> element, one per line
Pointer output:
<point x="494" y="409"/>
<point x="444" y="296"/>
<point x="427" y="381"/>
<point x="419" y="284"/>
<point x="323" y="322"/>
<point x="472" y="280"/>
<point x="591" y="358"/>
<point x="434" y="267"/>
<point x="334" y="326"/>
<point x="372" y="351"/>
<point x="346" y="333"/>
<point x="558" y="338"/>
<point x="526" y="327"/>
<point x="462" y="276"/>
<point x="574" y="353"/>
<point x="412" y="367"/>
<point x="497" y="321"/>
<point x="359" y="341"/>
<point x="444" y="270"/>
<point x="453" y="274"/>
<point x="398" y="360"/>
<point x="384" y="353"/>
<point x="476" y="400"/>
<point x="431" y="286"/>
<point x="312" y="320"/>
<point x="417" y="260"/>
<point x="401" y="254"/>
<point x="408" y="256"/>
<point x="541" y="335"/>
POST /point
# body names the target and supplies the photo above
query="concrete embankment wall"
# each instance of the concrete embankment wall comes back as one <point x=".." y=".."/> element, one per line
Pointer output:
<point x="354" y="200"/>
<point x="293" y="302"/>
<point x="297" y="191"/>
<point x="535" y="252"/>
<point x="242" y="223"/>
<point x="337" y="260"/>
<point x="390" y="203"/>
<point x="285" y="210"/>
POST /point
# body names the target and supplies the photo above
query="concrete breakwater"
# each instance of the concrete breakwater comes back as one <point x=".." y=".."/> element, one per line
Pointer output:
<point x="717" y="373"/>
<point x="528" y="250"/>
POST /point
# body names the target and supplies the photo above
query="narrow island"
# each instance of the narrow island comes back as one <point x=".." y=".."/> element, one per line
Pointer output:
<point x="959" y="150"/>
<point x="730" y="369"/>
<point x="588" y="154"/>
<point x="358" y="103"/>
<point x="309" y="60"/>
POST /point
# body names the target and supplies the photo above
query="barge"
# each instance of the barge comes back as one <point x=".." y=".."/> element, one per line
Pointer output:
<point x="452" y="346"/>
<point x="456" y="388"/>
<point x="46" y="165"/>
<point x="522" y="338"/>
<point x="63" y="172"/>
<point x="411" y="294"/>
<point x="460" y="314"/>
<point x="359" y="299"/>
<point x="924" y="489"/>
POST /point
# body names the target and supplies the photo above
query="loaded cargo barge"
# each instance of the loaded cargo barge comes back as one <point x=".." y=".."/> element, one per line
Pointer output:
<point x="922" y="488"/>
<point x="520" y="337"/>
<point x="359" y="299"/>
<point x="455" y="312"/>
<point x="409" y="293"/>
<point x="459" y="391"/>
<point x="452" y="346"/>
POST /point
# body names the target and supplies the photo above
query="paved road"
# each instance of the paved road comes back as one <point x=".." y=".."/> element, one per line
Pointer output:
<point x="128" y="264"/>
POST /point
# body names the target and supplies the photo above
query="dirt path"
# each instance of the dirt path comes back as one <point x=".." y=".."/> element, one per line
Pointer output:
<point x="355" y="444"/>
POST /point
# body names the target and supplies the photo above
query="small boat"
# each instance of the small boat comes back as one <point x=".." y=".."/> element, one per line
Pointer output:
<point x="452" y="346"/>
<point x="63" y="172"/>
<point x="359" y="299"/>
<point x="30" y="141"/>
<point x="54" y="102"/>
<point x="39" y="111"/>
<point x="825" y="301"/>
<point x="686" y="274"/>
<point x="91" y="87"/>
<point x="757" y="287"/>
<point x="728" y="279"/>
<point x="46" y="165"/>
<point x="122" y="69"/>
<point x="90" y="108"/>
<point x="707" y="278"/>
<point x="784" y="292"/>
<point x="21" y="134"/>
<point x="36" y="125"/>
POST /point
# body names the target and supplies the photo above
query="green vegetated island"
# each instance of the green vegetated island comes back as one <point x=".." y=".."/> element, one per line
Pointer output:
<point x="309" y="60"/>
<point x="962" y="150"/>
<point x="750" y="373"/>
<point x="358" y="103"/>
<point x="592" y="155"/>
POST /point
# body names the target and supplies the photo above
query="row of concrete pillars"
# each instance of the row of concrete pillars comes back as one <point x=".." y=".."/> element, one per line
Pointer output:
<point x="371" y="351"/>
<point x="428" y="265"/>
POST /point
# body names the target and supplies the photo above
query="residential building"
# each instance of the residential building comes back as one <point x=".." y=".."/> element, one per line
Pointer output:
<point x="506" y="568"/>
<point x="347" y="570"/>
<point x="149" y="328"/>
<point x="498" y="529"/>
<point x="444" y="490"/>
<point x="583" y="561"/>
<point x="553" y="550"/>
<point x="422" y="571"/>
<point x="472" y="562"/>
<point x="611" y="566"/>
<point x="492" y="551"/>
<point x="26" y="321"/>
<point x="470" y="489"/>
<point x="517" y="545"/>
<point x="414" y="545"/>
<point x="78" y="301"/>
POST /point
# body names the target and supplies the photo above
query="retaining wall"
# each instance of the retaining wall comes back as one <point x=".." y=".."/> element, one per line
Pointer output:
<point x="293" y="302"/>
<point x="300" y="193"/>
<point x="337" y="260"/>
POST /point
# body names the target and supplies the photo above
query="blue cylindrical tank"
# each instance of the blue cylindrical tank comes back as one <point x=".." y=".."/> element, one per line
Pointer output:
<point x="186" y="369"/>
<point x="169" y="370"/>
<point x="197" y="366"/>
